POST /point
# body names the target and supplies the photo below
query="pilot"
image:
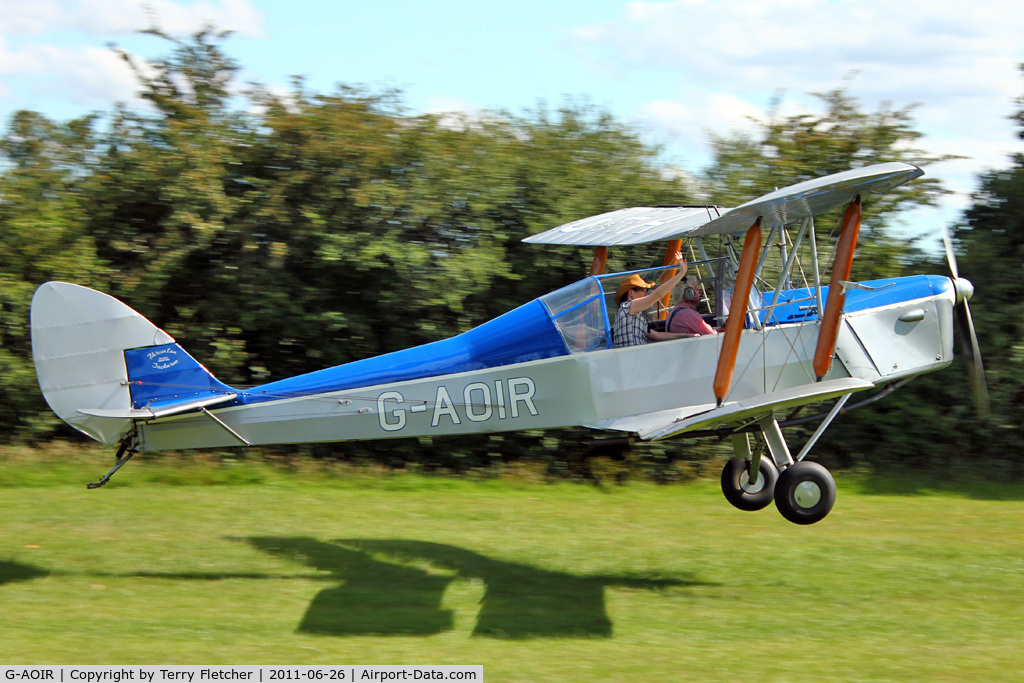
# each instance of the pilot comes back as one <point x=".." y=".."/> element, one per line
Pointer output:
<point x="633" y="297"/>
<point x="685" y="318"/>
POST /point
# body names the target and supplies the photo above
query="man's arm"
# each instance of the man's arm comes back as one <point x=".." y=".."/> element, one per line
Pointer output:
<point x="657" y="335"/>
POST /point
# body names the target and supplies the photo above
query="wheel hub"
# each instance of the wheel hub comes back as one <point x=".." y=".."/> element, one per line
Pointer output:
<point x="747" y="487"/>
<point x="807" y="494"/>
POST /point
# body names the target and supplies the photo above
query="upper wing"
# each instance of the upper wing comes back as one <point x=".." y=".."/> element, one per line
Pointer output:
<point x="812" y="197"/>
<point x="637" y="225"/>
<point x="652" y="224"/>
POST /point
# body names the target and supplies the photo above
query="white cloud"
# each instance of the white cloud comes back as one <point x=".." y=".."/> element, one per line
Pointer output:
<point x="454" y="113"/>
<point x="686" y="124"/>
<point x="28" y="18"/>
<point x="448" y="105"/>
<point x="811" y="43"/>
<point x="239" y="16"/>
<point x="56" y="50"/>
<point x="110" y="18"/>
<point x="82" y="75"/>
<point x="721" y="61"/>
<point x="673" y="116"/>
<point x="726" y="112"/>
<point x="927" y="51"/>
<point x="97" y="76"/>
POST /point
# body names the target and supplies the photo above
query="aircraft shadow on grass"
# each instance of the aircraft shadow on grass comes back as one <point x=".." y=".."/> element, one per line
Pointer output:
<point x="395" y="587"/>
<point x="15" y="571"/>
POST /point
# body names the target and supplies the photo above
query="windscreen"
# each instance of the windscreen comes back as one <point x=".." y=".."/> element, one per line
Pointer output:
<point x="579" y="313"/>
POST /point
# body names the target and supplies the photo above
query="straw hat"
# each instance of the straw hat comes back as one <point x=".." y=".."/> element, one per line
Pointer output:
<point x="629" y="283"/>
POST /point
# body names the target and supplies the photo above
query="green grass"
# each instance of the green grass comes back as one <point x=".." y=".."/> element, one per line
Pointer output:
<point x="536" y="582"/>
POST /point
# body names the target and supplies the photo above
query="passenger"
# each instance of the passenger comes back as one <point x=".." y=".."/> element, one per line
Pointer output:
<point x="685" y="318"/>
<point x="633" y="298"/>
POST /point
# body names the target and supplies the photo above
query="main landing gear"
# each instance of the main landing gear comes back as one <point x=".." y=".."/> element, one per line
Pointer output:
<point x="746" y="492"/>
<point x="804" y="492"/>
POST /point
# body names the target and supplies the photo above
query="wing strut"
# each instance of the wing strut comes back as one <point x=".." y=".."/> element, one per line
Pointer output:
<point x="671" y="247"/>
<point x="737" y="311"/>
<point x="836" y="409"/>
<point x="836" y="292"/>
<point x="600" y="258"/>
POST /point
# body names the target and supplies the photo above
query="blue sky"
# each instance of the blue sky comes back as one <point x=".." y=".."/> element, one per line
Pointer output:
<point x="677" y="69"/>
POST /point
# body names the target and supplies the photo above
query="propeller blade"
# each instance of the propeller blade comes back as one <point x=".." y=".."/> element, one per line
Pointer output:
<point x="947" y="240"/>
<point x="972" y="354"/>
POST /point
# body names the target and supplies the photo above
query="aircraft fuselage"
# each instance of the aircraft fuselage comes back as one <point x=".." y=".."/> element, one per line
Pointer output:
<point x="605" y="388"/>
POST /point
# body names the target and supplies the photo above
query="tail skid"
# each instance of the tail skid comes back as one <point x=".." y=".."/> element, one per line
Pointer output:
<point x="122" y="457"/>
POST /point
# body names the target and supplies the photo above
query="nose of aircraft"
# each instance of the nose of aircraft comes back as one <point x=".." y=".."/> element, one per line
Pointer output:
<point x="964" y="289"/>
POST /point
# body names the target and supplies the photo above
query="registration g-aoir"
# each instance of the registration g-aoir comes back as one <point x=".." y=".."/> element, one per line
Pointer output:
<point x="786" y="338"/>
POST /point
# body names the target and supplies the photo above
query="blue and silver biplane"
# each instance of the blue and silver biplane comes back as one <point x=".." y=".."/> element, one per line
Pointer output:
<point x="786" y="342"/>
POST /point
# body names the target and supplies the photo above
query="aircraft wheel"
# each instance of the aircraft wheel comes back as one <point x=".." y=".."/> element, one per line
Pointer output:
<point x="805" y="492"/>
<point x="737" y="487"/>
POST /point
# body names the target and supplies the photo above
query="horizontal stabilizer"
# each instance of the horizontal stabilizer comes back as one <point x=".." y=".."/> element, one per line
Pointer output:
<point x="161" y="408"/>
<point x="735" y="412"/>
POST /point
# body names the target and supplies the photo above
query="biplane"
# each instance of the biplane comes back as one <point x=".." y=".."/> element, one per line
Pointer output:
<point x="786" y="340"/>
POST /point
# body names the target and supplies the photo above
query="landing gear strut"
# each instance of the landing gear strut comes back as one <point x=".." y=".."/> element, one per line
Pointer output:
<point x="804" y="492"/>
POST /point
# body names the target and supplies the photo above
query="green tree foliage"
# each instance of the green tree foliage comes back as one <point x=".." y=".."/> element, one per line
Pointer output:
<point x="274" y="235"/>
<point x="44" y="235"/>
<point x="991" y="242"/>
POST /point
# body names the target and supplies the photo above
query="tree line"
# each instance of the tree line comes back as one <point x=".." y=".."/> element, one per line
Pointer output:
<point x="275" y="235"/>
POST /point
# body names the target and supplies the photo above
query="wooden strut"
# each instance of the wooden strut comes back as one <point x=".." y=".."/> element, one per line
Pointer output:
<point x="737" y="311"/>
<point x="671" y="247"/>
<point x="600" y="258"/>
<point x="836" y="292"/>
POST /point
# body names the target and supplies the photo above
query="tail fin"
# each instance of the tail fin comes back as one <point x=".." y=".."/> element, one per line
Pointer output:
<point x="101" y="365"/>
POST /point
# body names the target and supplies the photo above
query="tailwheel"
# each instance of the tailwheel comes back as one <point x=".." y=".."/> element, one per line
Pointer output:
<point x="805" y="492"/>
<point x="739" y="490"/>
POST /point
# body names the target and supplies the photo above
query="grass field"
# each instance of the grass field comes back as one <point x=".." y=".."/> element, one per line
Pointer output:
<point x="536" y="582"/>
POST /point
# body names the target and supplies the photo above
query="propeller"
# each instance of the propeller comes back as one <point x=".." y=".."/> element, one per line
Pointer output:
<point x="968" y="338"/>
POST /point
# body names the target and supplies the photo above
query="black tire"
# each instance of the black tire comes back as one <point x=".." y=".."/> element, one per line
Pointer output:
<point x="736" y="484"/>
<point x="805" y="492"/>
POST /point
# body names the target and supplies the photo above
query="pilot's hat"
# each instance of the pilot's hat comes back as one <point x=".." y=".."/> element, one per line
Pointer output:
<point x="629" y="283"/>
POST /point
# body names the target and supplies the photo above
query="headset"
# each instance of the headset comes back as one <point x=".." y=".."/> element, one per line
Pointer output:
<point x="689" y="292"/>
